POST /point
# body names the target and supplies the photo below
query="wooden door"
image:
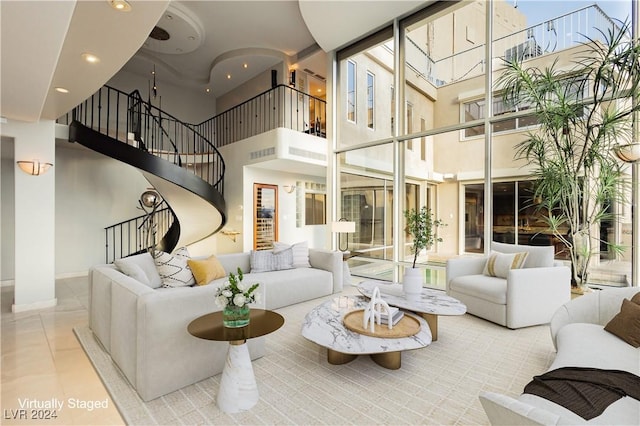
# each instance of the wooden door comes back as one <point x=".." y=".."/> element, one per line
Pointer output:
<point x="265" y="216"/>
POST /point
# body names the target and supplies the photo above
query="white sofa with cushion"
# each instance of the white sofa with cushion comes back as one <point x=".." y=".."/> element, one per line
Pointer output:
<point x="143" y="326"/>
<point x="578" y="331"/>
<point x="515" y="298"/>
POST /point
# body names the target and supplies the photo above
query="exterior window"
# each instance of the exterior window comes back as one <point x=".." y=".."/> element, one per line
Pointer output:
<point x="423" y="140"/>
<point x="474" y="110"/>
<point x="393" y="102"/>
<point x="370" y="99"/>
<point x="351" y="91"/>
<point x="314" y="208"/>
<point x="409" y="124"/>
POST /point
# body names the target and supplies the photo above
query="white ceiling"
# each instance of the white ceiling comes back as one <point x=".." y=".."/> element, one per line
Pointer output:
<point x="42" y="42"/>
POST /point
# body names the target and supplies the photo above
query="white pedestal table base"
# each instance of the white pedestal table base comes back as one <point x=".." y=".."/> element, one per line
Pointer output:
<point x="238" y="388"/>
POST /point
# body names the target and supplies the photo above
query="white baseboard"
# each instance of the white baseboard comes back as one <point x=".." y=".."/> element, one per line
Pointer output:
<point x="12" y="283"/>
<point x="31" y="306"/>
<point x="72" y="274"/>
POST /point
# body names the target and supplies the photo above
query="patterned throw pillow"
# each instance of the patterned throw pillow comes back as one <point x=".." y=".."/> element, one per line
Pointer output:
<point x="173" y="269"/>
<point x="300" y="253"/>
<point x="498" y="264"/>
<point x="267" y="260"/>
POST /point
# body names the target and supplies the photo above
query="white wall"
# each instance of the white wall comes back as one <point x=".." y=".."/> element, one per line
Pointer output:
<point x="93" y="191"/>
<point x="7" y="211"/>
<point x="34" y="210"/>
<point x="242" y="172"/>
<point x="188" y="105"/>
<point x="253" y="87"/>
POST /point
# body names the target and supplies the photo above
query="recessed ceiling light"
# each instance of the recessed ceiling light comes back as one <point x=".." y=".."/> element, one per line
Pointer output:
<point x="207" y="90"/>
<point x="192" y="38"/>
<point x="178" y="50"/>
<point x="245" y="65"/>
<point x="120" y="5"/>
<point x="169" y="17"/>
<point x="61" y="90"/>
<point x="228" y="76"/>
<point x="91" y="58"/>
<point x="319" y="90"/>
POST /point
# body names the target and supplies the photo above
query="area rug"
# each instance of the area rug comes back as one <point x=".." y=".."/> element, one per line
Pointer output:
<point x="435" y="385"/>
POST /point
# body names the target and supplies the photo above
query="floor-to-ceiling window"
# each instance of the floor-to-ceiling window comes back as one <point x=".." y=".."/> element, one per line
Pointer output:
<point x="443" y="136"/>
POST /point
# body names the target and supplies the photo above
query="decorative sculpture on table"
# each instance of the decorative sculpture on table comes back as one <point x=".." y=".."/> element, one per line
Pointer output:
<point x="374" y="311"/>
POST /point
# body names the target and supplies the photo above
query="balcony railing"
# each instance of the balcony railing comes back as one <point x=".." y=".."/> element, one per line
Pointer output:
<point x="127" y="118"/>
<point x="281" y="106"/>
<point x="551" y="36"/>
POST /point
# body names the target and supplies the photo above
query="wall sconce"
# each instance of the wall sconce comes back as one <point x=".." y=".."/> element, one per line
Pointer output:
<point x="629" y="153"/>
<point x="34" y="168"/>
<point x="231" y="234"/>
<point x="289" y="188"/>
<point x="343" y="226"/>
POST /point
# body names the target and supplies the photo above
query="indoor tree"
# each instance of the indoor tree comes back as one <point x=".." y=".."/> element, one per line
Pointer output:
<point x="583" y="112"/>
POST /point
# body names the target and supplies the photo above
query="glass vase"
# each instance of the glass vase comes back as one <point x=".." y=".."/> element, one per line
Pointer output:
<point x="235" y="316"/>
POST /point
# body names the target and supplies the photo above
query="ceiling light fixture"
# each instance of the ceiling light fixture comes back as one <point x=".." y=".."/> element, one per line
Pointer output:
<point x="61" y="90"/>
<point x="91" y="58"/>
<point x="207" y="90"/>
<point x="228" y="76"/>
<point x="120" y="5"/>
<point x="245" y="65"/>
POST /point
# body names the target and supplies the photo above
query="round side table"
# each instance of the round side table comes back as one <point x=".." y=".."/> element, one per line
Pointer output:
<point x="238" y="389"/>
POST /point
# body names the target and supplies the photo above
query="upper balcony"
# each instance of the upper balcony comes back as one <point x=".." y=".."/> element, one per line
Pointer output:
<point x="552" y="36"/>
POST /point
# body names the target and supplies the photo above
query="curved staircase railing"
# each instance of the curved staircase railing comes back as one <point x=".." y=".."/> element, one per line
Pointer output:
<point x="130" y="237"/>
<point x="125" y="127"/>
<point x="127" y="118"/>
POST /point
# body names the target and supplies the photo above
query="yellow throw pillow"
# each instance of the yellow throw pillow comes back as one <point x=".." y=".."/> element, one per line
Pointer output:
<point x="205" y="271"/>
<point x="499" y="264"/>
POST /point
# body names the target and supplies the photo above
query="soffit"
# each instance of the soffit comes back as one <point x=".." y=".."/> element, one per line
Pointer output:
<point x="42" y="43"/>
<point x="334" y="24"/>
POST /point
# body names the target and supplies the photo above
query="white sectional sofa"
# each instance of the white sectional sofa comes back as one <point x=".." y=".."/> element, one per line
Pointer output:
<point x="577" y="330"/>
<point x="145" y="329"/>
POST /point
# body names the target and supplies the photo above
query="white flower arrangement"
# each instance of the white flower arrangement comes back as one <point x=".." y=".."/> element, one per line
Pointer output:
<point x="235" y="292"/>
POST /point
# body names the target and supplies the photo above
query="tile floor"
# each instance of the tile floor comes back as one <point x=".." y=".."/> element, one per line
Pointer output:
<point x="43" y="363"/>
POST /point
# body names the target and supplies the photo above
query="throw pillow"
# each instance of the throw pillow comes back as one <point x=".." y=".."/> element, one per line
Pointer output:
<point x="626" y="324"/>
<point x="267" y="261"/>
<point x="283" y="260"/>
<point x="499" y="264"/>
<point x="140" y="267"/>
<point x="636" y="298"/>
<point x="261" y="260"/>
<point x="205" y="271"/>
<point x="173" y="269"/>
<point x="300" y="253"/>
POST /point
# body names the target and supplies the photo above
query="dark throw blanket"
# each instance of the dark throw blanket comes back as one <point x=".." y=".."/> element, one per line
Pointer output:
<point x="585" y="391"/>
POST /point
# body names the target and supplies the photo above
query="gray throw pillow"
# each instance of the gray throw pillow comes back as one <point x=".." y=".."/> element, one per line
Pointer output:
<point x="267" y="260"/>
<point x="140" y="267"/>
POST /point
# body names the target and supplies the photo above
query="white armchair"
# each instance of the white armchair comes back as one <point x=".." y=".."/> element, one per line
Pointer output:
<point x="527" y="296"/>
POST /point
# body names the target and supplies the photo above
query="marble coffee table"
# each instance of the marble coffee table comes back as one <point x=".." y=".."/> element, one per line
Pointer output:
<point x="429" y="303"/>
<point x="324" y="326"/>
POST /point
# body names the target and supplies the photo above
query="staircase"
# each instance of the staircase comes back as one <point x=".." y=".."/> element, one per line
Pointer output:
<point x="179" y="163"/>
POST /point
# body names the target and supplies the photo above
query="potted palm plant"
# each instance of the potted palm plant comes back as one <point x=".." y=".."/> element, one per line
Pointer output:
<point x="421" y="226"/>
<point x="584" y="115"/>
